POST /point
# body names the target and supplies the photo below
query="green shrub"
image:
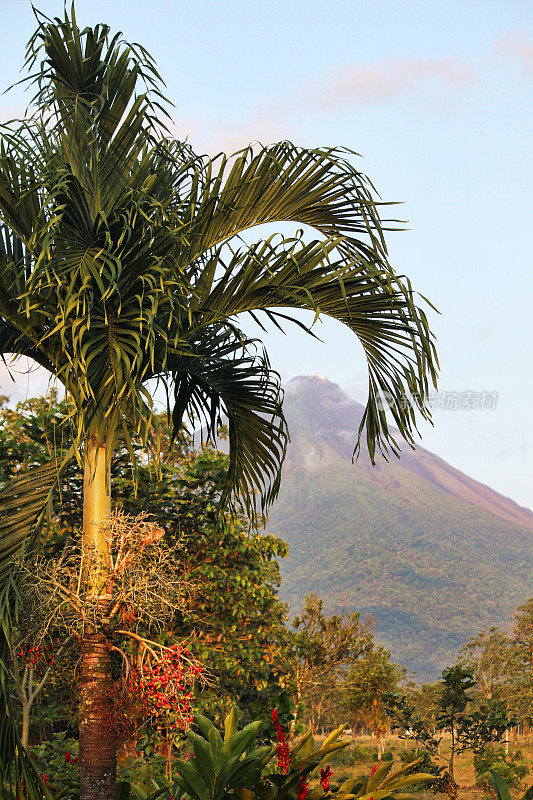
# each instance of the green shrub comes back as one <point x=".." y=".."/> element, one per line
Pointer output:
<point x="56" y="757"/>
<point x="512" y="769"/>
<point x="230" y="763"/>
<point x="361" y="753"/>
<point x="423" y="762"/>
<point x="416" y="753"/>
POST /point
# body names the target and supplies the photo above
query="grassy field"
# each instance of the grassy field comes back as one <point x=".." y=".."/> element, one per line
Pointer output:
<point x="346" y="766"/>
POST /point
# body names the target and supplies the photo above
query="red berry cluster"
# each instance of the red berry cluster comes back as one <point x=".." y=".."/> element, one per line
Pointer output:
<point x="37" y="657"/>
<point x="164" y="687"/>
<point x="70" y="759"/>
<point x="282" y="747"/>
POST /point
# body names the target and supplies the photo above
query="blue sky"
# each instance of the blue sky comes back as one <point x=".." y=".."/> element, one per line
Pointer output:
<point x="437" y="98"/>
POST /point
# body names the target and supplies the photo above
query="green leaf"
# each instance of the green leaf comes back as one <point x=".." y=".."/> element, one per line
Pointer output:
<point x="124" y="790"/>
<point x="204" y="760"/>
<point x="230" y="723"/>
<point x="379" y="775"/>
<point x="191" y="781"/>
<point x="500" y="786"/>
<point x="241" y="740"/>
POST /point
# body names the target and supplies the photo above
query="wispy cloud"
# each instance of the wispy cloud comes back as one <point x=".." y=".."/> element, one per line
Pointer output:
<point x="217" y="135"/>
<point x="357" y="84"/>
<point x="364" y="84"/>
<point x="517" y="45"/>
<point x="514" y="444"/>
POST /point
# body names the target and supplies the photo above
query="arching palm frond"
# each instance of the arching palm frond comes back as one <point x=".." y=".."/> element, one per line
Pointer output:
<point x="283" y="273"/>
<point x="25" y="504"/>
<point x="282" y="182"/>
<point x="223" y="374"/>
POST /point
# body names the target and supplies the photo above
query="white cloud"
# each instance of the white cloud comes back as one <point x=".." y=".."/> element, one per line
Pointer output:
<point x="517" y="45"/>
<point x="365" y="84"/>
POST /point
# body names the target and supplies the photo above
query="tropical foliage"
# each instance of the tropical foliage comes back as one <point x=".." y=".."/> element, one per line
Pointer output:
<point x="121" y="263"/>
<point x="470" y="727"/>
<point x="323" y="648"/>
<point x="511" y="768"/>
<point x="216" y="768"/>
<point x="233" y="620"/>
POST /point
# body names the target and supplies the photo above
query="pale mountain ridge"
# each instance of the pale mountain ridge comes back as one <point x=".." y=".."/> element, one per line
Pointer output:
<point x="331" y="398"/>
<point x="418" y="544"/>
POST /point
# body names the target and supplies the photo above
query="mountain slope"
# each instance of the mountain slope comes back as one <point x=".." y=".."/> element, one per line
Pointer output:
<point x="432" y="554"/>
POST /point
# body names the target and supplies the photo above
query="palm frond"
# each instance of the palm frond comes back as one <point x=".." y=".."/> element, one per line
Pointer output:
<point x="224" y="375"/>
<point x="285" y="273"/>
<point x="282" y="182"/>
<point x="25" y="503"/>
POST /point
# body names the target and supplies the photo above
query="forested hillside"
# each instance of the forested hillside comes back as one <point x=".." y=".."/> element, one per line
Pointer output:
<point x="410" y="541"/>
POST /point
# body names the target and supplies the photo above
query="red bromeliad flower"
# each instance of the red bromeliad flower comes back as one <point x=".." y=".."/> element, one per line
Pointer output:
<point x="374" y="768"/>
<point x="45" y="780"/>
<point x="303" y="788"/>
<point x="325" y="776"/>
<point x="282" y="747"/>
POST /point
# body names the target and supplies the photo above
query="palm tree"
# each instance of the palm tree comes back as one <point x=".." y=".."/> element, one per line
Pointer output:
<point x="122" y="262"/>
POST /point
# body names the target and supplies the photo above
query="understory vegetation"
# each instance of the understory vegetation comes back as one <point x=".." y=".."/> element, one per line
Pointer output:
<point x="198" y="629"/>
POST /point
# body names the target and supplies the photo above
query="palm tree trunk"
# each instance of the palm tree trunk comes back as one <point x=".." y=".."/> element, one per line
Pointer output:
<point x="97" y="755"/>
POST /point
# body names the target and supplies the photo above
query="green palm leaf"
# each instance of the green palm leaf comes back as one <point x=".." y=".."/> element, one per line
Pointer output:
<point x="224" y="374"/>
<point x="25" y="503"/>
<point x="122" y="260"/>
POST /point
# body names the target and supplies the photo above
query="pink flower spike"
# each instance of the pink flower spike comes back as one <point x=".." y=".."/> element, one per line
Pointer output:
<point x="303" y="788"/>
<point x="325" y="776"/>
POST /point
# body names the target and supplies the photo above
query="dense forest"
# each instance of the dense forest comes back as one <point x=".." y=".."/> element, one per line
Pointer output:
<point x="391" y="541"/>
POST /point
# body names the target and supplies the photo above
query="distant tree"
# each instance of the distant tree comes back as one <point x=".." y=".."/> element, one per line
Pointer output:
<point x="518" y="688"/>
<point x="470" y="727"/>
<point x="323" y="648"/>
<point x="523" y="628"/>
<point x="366" y="684"/>
<point x="502" y="665"/>
<point x="487" y="655"/>
<point x="423" y="699"/>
